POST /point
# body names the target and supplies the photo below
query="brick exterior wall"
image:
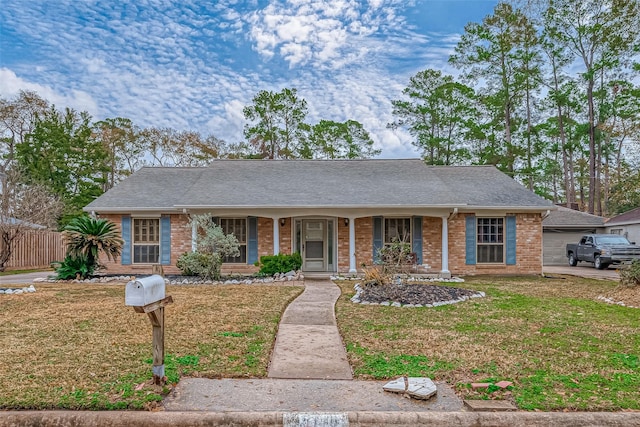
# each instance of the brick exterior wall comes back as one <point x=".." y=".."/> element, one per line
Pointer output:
<point x="180" y="243"/>
<point x="528" y="246"/>
<point x="432" y="244"/>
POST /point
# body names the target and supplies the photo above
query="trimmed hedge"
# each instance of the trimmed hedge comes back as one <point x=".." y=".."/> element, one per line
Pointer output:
<point x="281" y="263"/>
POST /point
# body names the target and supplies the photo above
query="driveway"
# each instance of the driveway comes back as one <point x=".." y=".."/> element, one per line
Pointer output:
<point x="587" y="270"/>
<point x="24" y="278"/>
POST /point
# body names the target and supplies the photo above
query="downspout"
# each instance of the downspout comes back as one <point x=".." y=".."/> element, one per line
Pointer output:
<point x="453" y="214"/>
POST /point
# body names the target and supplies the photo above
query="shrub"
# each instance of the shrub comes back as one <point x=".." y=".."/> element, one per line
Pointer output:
<point x="630" y="274"/>
<point x="212" y="246"/>
<point x="75" y="268"/>
<point x="395" y="257"/>
<point x="281" y="263"/>
<point x="375" y="276"/>
<point x="86" y="237"/>
<point x="200" y="264"/>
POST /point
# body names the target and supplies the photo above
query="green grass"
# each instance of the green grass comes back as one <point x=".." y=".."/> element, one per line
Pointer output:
<point x="562" y="348"/>
<point x="73" y="346"/>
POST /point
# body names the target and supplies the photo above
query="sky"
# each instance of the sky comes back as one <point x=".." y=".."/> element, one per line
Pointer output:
<point x="194" y="64"/>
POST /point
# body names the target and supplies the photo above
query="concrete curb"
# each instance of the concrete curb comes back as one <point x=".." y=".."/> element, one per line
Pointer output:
<point x="360" y="419"/>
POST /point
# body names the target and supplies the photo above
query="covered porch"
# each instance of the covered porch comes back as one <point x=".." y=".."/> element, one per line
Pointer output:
<point x="343" y="241"/>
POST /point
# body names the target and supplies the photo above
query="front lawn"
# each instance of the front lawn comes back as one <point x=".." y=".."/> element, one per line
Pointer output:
<point x="560" y="346"/>
<point x="77" y="346"/>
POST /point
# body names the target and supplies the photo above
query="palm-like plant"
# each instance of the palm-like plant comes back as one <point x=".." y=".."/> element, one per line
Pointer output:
<point x="86" y="237"/>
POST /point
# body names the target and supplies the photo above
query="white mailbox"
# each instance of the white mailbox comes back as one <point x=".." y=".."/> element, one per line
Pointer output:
<point x="144" y="291"/>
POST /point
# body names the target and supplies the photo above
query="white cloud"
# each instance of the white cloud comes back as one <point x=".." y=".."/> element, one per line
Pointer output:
<point x="11" y="85"/>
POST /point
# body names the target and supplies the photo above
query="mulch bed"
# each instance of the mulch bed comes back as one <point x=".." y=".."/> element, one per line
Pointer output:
<point x="412" y="293"/>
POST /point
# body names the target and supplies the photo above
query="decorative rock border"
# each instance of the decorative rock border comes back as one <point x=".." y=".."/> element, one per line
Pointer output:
<point x="17" y="291"/>
<point x="357" y="300"/>
<point x="406" y="279"/>
<point x="190" y="280"/>
<point x="613" y="302"/>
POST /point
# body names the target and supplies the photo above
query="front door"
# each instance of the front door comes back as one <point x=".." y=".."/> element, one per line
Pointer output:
<point x="314" y="251"/>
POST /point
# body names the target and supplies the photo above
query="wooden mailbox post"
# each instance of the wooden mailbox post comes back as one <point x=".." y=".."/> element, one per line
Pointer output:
<point x="147" y="295"/>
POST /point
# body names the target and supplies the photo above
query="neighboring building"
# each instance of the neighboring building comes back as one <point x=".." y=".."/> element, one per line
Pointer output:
<point x="626" y="224"/>
<point x="336" y="213"/>
<point x="564" y="226"/>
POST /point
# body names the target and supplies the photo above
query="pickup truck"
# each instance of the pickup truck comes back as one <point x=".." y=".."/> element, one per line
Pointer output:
<point x="602" y="250"/>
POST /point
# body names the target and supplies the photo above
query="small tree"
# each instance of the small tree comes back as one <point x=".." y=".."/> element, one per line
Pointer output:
<point x="23" y="208"/>
<point x="212" y="246"/>
<point x="395" y="256"/>
<point x="86" y="237"/>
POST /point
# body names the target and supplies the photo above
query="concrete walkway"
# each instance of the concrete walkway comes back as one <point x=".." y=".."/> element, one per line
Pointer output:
<point x="24" y="278"/>
<point x="308" y="344"/>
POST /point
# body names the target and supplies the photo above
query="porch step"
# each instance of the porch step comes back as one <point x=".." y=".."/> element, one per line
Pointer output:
<point x="317" y="276"/>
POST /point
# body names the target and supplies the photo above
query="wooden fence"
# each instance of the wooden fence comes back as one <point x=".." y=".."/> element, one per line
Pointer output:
<point x="36" y="249"/>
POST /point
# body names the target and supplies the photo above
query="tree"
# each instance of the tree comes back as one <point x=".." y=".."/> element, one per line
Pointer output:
<point x="440" y="113"/>
<point x="23" y="208"/>
<point x="490" y="51"/>
<point x="169" y="147"/>
<point x="121" y="142"/>
<point x="333" y="140"/>
<point x="602" y="34"/>
<point x="87" y="237"/>
<point x="277" y="126"/>
<point x="61" y="155"/>
<point x="17" y="120"/>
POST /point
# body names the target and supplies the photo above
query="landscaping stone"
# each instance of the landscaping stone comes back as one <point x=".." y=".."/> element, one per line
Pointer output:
<point x="417" y="387"/>
<point x="18" y="291"/>
<point x="413" y="295"/>
<point x="504" y="384"/>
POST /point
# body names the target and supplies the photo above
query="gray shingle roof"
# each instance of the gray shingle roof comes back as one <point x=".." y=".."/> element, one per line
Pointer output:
<point x="567" y="218"/>
<point x="318" y="183"/>
<point x="629" y="217"/>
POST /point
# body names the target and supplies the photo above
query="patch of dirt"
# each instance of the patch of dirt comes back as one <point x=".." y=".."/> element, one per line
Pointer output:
<point x="412" y="293"/>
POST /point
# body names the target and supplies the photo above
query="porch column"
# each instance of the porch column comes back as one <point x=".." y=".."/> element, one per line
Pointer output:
<point x="352" y="246"/>
<point x="444" y="272"/>
<point x="194" y="237"/>
<point x="276" y="236"/>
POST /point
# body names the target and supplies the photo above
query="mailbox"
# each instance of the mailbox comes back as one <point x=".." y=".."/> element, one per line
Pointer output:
<point x="144" y="291"/>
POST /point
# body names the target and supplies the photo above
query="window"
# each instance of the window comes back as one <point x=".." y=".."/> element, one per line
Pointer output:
<point x="617" y="231"/>
<point x="397" y="229"/>
<point x="490" y="240"/>
<point x="146" y="240"/>
<point x="237" y="227"/>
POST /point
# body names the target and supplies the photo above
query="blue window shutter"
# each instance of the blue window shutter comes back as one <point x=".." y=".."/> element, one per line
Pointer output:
<point x="252" y="241"/>
<point x="416" y="244"/>
<point x="470" y="240"/>
<point x="377" y="236"/>
<point x="165" y="240"/>
<point x="511" y="240"/>
<point x="126" y="237"/>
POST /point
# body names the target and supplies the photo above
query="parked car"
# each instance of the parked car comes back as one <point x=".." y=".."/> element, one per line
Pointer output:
<point x="602" y="250"/>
